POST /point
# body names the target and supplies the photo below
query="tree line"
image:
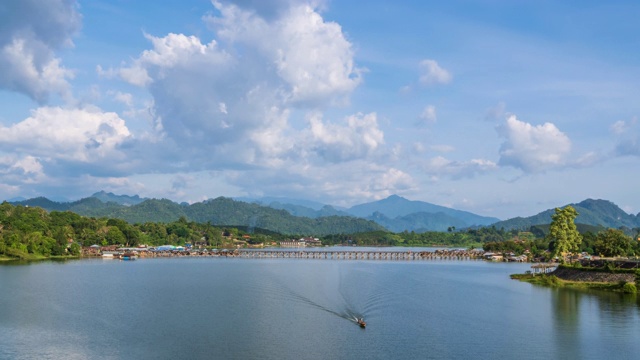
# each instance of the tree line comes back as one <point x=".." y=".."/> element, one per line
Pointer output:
<point x="32" y="232"/>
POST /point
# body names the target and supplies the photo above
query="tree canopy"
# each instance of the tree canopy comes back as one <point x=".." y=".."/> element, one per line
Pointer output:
<point x="612" y="242"/>
<point x="564" y="233"/>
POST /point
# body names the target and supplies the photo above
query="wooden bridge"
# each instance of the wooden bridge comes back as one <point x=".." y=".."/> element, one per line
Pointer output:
<point x="360" y="255"/>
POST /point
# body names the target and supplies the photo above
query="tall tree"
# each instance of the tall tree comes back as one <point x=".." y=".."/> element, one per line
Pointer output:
<point x="563" y="232"/>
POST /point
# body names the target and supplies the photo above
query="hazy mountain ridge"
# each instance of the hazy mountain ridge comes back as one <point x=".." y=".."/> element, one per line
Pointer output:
<point x="418" y="222"/>
<point x="220" y="211"/>
<point x="591" y="212"/>
<point x="271" y="200"/>
<point x="299" y="210"/>
<point x="418" y="214"/>
<point x="394" y="213"/>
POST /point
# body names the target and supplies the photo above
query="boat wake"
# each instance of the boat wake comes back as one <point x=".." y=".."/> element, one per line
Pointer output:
<point x="283" y="292"/>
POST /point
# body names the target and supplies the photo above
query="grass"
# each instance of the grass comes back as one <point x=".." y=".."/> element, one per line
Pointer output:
<point x="20" y="256"/>
<point x="554" y="281"/>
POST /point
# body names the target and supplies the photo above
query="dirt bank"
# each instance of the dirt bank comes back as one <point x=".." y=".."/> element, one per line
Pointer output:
<point x="591" y="276"/>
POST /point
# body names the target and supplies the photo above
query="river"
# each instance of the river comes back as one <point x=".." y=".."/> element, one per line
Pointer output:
<point x="229" y="308"/>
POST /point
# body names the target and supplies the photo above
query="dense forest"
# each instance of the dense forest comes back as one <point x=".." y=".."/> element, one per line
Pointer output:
<point x="216" y="211"/>
<point x="32" y="232"/>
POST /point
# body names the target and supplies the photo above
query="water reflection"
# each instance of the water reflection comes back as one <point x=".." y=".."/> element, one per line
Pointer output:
<point x="291" y="309"/>
<point x="566" y="322"/>
<point x="588" y="322"/>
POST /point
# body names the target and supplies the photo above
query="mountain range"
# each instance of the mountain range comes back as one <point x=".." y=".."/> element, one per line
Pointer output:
<point x="291" y="216"/>
<point x="591" y="212"/>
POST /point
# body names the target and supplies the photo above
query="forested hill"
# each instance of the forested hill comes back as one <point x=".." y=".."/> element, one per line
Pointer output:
<point x="221" y="211"/>
<point x="591" y="212"/>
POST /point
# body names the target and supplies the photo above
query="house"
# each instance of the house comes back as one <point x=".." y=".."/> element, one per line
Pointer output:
<point x="493" y="256"/>
<point x="309" y="241"/>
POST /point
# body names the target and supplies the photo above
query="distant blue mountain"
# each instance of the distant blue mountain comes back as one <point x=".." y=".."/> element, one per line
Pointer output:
<point x="395" y="213"/>
<point x="118" y="199"/>
<point x="398" y="207"/>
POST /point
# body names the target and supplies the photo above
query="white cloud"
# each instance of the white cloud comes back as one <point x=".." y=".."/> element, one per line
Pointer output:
<point x="312" y="58"/>
<point x="428" y="115"/>
<point x="431" y="73"/>
<point x="174" y="51"/>
<point x="227" y="103"/>
<point x="440" y="166"/>
<point x="619" y="127"/>
<point x="30" y="33"/>
<point x="442" y="148"/>
<point x="628" y="133"/>
<point x="29" y="165"/>
<point x="79" y="135"/>
<point x="497" y="112"/>
<point x="21" y="170"/>
<point x="533" y="148"/>
<point x="124" y="98"/>
<point x="335" y="183"/>
<point x="360" y="137"/>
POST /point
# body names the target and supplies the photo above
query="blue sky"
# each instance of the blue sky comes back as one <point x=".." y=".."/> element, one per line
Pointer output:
<point x="500" y="108"/>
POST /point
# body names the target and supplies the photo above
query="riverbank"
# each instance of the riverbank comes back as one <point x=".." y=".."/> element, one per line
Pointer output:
<point x="31" y="257"/>
<point x="587" y="278"/>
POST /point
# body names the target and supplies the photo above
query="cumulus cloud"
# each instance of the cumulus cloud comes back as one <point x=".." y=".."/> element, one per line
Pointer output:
<point x="189" y="81"/>
<point x="77" y="135"/>
<point x="312" y="57"/>
<point x="431" y="73"/>
<point x="533" y="148"/>
<point x="358" y="138"/>
<point x="30" y="33"/>
<point x="250" y="104"/>
<point x="174" y="51"/>
<point x="227" y="103"/>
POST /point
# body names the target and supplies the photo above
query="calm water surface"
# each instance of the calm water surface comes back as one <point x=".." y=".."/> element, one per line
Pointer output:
<point x="210" y="308"/>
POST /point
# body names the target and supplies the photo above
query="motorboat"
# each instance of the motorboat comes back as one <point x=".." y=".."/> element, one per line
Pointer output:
<point x="361" y="323"/>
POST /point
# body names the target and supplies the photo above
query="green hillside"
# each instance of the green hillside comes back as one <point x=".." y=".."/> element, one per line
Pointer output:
<point x="602" y="213"/>
<point x="221" y="212"/>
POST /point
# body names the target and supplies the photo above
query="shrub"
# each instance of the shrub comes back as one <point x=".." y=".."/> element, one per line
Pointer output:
<point x="629" y="288"/>
<point x="551" y="280"/>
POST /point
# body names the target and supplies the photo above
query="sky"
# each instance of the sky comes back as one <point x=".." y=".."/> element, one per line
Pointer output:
<point x="501" y="108"/>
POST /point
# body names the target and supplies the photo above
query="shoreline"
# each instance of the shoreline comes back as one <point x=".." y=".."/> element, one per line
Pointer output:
<point x="7" y="259"/>
<point x="622" y="281"/>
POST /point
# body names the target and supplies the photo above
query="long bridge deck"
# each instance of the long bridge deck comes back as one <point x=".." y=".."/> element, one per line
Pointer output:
<point x="360" y="255"/>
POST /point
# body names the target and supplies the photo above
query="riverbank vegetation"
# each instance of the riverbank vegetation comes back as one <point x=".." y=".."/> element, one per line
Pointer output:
<point x="554" y="281"/>
<point x="607" y="277"/>
<point x="34" y="233"/>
